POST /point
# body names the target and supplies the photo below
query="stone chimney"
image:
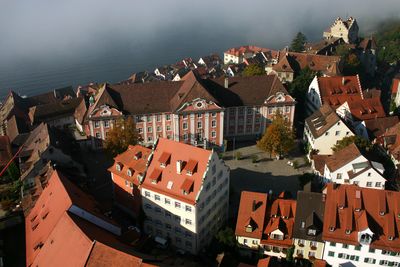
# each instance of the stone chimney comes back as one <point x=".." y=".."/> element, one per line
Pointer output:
<point x="226" y="83"/>
<point x="178" y="166"/>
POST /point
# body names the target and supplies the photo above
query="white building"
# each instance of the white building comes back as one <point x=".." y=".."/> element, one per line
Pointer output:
<point x="323" y="129"/>
<point x="185" y="194"/>
<point x="361" y="226"/>
<point x="349" y="166"/>
<point x="346" y="29"/>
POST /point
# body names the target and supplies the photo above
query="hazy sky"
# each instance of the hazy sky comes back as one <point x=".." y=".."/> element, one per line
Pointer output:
<point x="35" y="35"/>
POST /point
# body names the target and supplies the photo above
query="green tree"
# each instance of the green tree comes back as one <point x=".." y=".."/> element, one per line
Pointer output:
<point x="253" y="70"/>
<point x="289" y="254"/>
<point x="298" y="42"/>
<point x="298" y="89"/>
<point x="122" y="135"/>
<point x="388" y="41"/>
<point x="278" y="138"/>
<point x="351" y="63"/>
<point x="226" y="237"/>
<point x="13" y="171"/>
<point x="363" y="144"/>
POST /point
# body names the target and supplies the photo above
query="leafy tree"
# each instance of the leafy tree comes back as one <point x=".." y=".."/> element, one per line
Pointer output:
<point x="278" y="138"/>
<point x="388" y="41"/>
<point x="226" y="237"/>
<point x="122" y="135"/>
<point x="305" y="178"/>
<point x="289" y="254"/>
<point x="298" y="42"/>
<point x="351" y="64"/>
<point x="253" y="70"/>
<point x="363" y="144"/>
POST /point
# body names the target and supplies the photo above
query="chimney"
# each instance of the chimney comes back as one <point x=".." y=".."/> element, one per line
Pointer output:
<point x="178" y="166"/>
<point x="226" y="84"/>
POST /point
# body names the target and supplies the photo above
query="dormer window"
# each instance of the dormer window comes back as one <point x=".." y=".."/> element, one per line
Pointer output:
<point x="331" y="229"/>
<point x="381" y="213"/>
<point x="341" y="207"/>
<point x="348" y="232"/>
<point x="303" y="225"/>
<point x="118" y="166"/>
<point x="249" y="228"/>
<point x="129" y="172"/>
<point x="390" y="238"/>
<point x="312" y="232"/>
<point x="164" y="159"/>
<point x="138" y="155"/>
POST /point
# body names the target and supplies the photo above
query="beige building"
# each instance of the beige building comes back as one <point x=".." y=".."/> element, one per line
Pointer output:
<point x="185" y="194"/>
<point x="346" y="29"/>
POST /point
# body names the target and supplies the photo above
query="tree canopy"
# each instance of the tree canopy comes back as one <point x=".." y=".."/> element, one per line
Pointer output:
<point x="388" y="41"/>
<point x="278" y="138"/>
<point x="363" y="144"/>
<point x="253" y="70"/>
<point x="298" y="42"/>
<point x="351" y="64"/>
<point x="122" y="135"/>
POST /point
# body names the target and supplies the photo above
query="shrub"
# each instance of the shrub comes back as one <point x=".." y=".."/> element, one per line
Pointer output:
<point x="296" y="164"/>
<point x="254" y="158"/>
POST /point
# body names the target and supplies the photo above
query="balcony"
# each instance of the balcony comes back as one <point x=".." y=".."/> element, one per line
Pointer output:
<point x="313" y="248"/>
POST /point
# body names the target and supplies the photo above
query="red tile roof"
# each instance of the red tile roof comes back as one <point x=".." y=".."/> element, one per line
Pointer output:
<point x="170" y="177"/>
<point x="366" y="109"/>
<point x="252" y="206"/>
<point x="265" y="216"/>
<point x="380" y="210"/>
<point x="134" y="158"/>
<point x="337" y="90"/>
<point x="342" y="157"/>
<point x="246" y="49"/>
<point x="57" y="197"/>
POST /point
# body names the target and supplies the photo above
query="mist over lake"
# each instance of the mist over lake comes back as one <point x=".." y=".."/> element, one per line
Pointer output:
<point x="46" y="44"/>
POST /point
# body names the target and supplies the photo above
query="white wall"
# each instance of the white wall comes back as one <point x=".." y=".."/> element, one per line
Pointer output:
<point x="363" y="253"/>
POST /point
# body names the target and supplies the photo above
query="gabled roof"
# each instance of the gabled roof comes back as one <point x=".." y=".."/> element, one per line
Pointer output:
<point x="378" y="126"/>
<point x="391" y="140"/>
<point x="322" y="120"/>
<point x="366" y="109"/>
<point x="342" y="157"/>
<point x="377" y="213"/>
<point x="283" y="65"/>
<point x="133" y="159"/>
<point x="245" y="91"/>
<point x="236" y="51"/>
<point x="311" y="213"/>
<point x="337" y="90"/>
<point x="57" y="197"/>
<point x="252" y="207"/>
<point x="368" y="43"/>
<point x="395" y="85"/>
<point x="46" y="112"/>
<point x="170" y="182"/>
<point x="192" y="88"/>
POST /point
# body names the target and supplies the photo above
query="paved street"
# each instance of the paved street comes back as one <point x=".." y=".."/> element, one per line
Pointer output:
<point x="265" y="175"/>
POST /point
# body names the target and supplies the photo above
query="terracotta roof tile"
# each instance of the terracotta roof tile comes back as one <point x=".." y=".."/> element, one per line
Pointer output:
<point x="379" y="208"/>
<point x="322" y="120"/>
<point x="342" y="157"/>
<point x="169" y="176"/>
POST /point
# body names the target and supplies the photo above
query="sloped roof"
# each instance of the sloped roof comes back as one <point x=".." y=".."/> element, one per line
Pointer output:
<point x="322" y="120"/>
<point x="245" y="91"/>
<point x="57" y="197"/>
<point x="171" y="182"/>
<point x="5" y="150"/>
<point x="283" y="65"/>
<point x="47" y="111"/>
<point x="311" y="204"/>
<point x="252" y="206"/>
<point x="378" y="126"/>
<point x="337" y="90"/>
<point x="368" y="43"/>
<point x="395" y="85"/>
<point x="373" y="203"/>
<point x="342" y="157"/>
<point x="366" y="109"/>
<point x="128" y="161"/>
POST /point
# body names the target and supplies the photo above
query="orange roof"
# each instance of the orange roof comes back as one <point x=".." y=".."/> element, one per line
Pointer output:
<point x="252" y="206"/>
<point x="135" y="159"/>
<point x="265" y="217"/>
<point x="246" y="49"/>
<point x="365" y="109"/>
<point x="57" y="197"/>
<point x="341" y="208"/>
<point x="337" y="90"/>
<point x="103" y="255"/>
<point x="171" y="181"/>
